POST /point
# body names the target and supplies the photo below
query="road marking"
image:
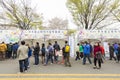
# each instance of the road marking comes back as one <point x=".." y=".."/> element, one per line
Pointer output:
<point x="60" y="79"/>
<point x="92" y="75"/>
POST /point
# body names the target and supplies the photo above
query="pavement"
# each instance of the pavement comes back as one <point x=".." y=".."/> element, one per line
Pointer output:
<point x="11" y="66"/>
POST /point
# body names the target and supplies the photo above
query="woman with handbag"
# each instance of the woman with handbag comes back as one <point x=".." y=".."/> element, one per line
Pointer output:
<point x="97" y="56"/>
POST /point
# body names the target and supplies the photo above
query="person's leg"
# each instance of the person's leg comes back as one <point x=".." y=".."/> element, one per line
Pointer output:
<point x="95" y="61"/>
<point x="99" y="63"/>
<point x="114" y="57"/>
<point x="21" y="65"/>
<point x="101" y="60"/>
<point x="81" y="54"/>
<point x="65" y="59"/>
<point x="118" y="57"/>
<point x="84" y="59"/>
<point x="47" y="59"/>
<point x="35" y="56"/>
<point x="15" y="54"/>
<point x="110" y="56"/>
<point x="88" y="56"/>
<point x="51" y="58"/>
<point x="8" y="54"/>
<point x="25" y="64"/>
<point x="42" y="59"/>
<point x="77" y="56"/>
<point x="68" y="60"/>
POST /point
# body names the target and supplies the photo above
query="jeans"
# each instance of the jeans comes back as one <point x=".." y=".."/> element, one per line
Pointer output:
<point x="49" y="57"/>
<point x="86" y="56"/>
<point x="118" y="57"/>
<point x="36" y="56"/>
<point x="9" y="54"/>
<point x="23" y="65"/>
<point x="28" y="61"/>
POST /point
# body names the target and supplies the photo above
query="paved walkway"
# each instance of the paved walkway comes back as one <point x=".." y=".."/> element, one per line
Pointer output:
<point x="109" y="67"/>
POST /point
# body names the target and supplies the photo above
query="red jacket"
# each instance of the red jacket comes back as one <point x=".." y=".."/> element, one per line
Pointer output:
<point x="96" y="49"/>
<point x="102" y="50"/>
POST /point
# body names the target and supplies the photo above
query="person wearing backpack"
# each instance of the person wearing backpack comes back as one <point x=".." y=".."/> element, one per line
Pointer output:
<point x="67" y="54"/>
<point x="86" y="53"/>
<point x="43" y="51"/>
<point x="56" y="50"/>
<point x="49" y="54"/>
<point x="3" y="49"/>
<point x="9" y="50"/>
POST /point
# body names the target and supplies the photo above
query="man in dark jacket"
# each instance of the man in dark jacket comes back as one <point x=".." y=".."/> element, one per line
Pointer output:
<point x="36" y="53"/>
<point x="56" y="49"/>
<point x="111" y="50"/>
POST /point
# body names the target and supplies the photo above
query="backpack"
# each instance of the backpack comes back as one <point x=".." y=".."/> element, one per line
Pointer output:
<point x="67" y="48"/>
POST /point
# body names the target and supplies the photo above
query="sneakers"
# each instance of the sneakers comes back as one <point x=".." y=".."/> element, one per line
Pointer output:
<point x="95" y="67"/>
<point x="25" y="71"/>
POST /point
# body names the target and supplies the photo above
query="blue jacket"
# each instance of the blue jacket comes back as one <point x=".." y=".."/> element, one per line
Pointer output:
<point x="15" y="47"/>
<point x="86" y="49"/>
<point x="116" y="48"/>
<point x="30" y="52"/>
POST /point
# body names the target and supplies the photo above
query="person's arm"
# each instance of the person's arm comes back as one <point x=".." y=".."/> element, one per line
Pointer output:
<point x="18" y="52"/>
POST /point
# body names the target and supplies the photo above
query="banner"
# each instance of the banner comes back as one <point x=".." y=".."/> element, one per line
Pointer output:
<point x="16" y="35"/>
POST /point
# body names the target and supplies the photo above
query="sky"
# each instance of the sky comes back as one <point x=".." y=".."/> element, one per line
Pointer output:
<point x="53" y="8"/>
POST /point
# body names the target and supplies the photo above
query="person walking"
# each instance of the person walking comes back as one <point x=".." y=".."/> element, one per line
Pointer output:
<point x="111" y="52"/>
<point x="36" y="53"/>
<point x="81" y="50"/>
<point x="67" y="54"/>
<point x="86" y="52"/>
<point x="3" y="49"/>
<point x="118" y="54"/>
<point x="49" y="54"/>
<point x="22" y="53"/>
<point x="116" y="51"/>
<point x="56" y="50"/>
<point x="43" y="52"/>
<point x="97" y="56"/>
<point x="77" y="52"/>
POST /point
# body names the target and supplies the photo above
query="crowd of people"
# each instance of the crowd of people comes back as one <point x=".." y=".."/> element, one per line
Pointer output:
<point x="51" y="53"/>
